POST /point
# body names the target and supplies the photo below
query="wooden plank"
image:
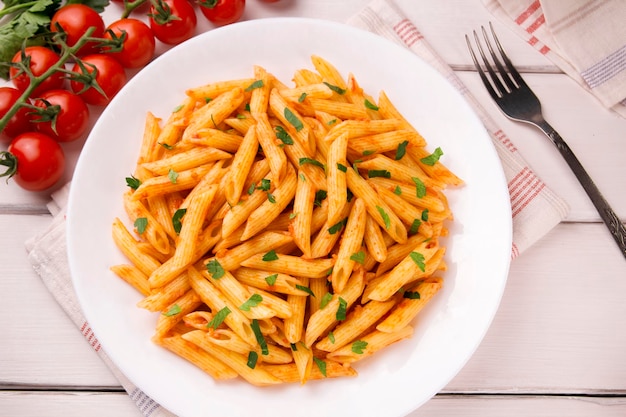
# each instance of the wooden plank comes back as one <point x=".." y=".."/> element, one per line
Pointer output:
<point x="79" y="404"/>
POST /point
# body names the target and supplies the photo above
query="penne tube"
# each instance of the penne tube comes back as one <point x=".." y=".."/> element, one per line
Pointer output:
<point x="291" y="265"/>
<point x="350" y="246"/>
<point x="368" y="345"/>
<point x="303" y="204"/>
<point x="240" y="167"/>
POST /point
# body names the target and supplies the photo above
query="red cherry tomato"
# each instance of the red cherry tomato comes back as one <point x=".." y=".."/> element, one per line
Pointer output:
<point x="74" y="20"/>
<point x="222" y="12"/>
<point x="138" y="45"/>
<point x="64" y="116"/>
<point x="172" y="21"/>
<point x="20" y="122"/>
<point x="34" y="160"/>
<point x="110" y="76"/>
<point x="41" y="59"/>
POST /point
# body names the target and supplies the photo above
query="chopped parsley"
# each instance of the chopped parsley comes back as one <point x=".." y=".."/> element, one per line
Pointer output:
<point x="385" y="216"/>
<point x="412" y="295"/>
<point x="293" y="119"/>
<point x="358" y="346"/>
<point x="420" y="187"/>
<point x="342" y="167"/>
<point x="270" y="256"/>
<point x="173" y="310"/>
<point x="215" y="269"/>
<point x="321" y="365"/>
<point x="218" y="318"/>
<point x="320" y="195"/>
<point x="331" y="337"/>
<point x="383" y="173"/>
<point x="397" y="190"/>
<point x="271" y="198"/>
<point x="401" y="151"/>
<point x="282" y="134"/>
<point x="425" y="215"/>
<point x="173" y="176"/>
<point x="255" y="85"/>
<point x="419" y="260"/>
<point x="253" y="301"/>
<point x="311" y="161"/>
<point x="326" y="299"/>
<point x="337" y="226"/>
<point x="140" y="224"/>
<point x="370" y="105"/>
<point x="341" y="310"/>
<point x="305" y="289"/>
<point x="415" y="226"/>
<point x="259" y="336"/>
<point x="302" y="97"/>
<point x="166" y="145"/>
<point x="178" y="215"/>
<point x="358" y="257"/>
<point x="432" y="158"/>
<point x="271" y="279"/>
<point x="133" y="182"/>
<point x="336" y="89"/>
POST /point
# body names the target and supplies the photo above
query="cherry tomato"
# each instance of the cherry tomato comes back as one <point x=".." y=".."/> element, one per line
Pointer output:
<point x="34" y="160"/>
<point x="74" y="20"/>
<point x="222" y="12"/>
<point x="20" y="122"/>
<point x="64" y="116"/>
<point x="172" y="21"/>
<point x="138" y="45"/>
<point x="41" y="59"/>
<point x="110" y="76"/>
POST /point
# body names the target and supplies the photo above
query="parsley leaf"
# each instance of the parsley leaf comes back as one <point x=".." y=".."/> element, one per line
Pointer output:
<point x="218" y="318"/>
<point x="385" y="216"/>
<point x="320" y="195"/>
<point x="420" y="187"/>
<point x="397" y="190"/>
<point x="331" y="337"/>
<point x="373" y="173"/>
<point x="311" y="161"/>
<point x="335" y="88"/>
<point x="419" y="260"/>
<point x="255" y="85"/>
<point x="425" y="215"/>
<point x="140" y="224"/>
<point x="271" y="279"/>
<point x="173" y="310"/>
<point x="133" y="182"/>
<point x="321" y="365"/>
<point x="215" y="269"/>
<point x="432" y="158"/>
<point x="253" y="357"/>
<point x="253" y="301"/>
<point x="305" y="289"/>
<point x="302" y="97"/>
<point x="178" y="215"/>
<point x="325" y="299"/>
<point x="342" y="167"/>
<point x="293" y="119"/>
<point x="412" y="295"/>
<point x="358" y="346"/>
<point x="401" y="151"/>
<point x="341" y="310"/>
<point x="337" y="226"/>
<point x="358" y="257"/>
<point x="415" y="226"/>
<point x="259" y="336"/>
<point x="370" y="105"/>
<point x="282" y="134"/>
<point x="270" y="256"/>
<point x="173" y="176"/>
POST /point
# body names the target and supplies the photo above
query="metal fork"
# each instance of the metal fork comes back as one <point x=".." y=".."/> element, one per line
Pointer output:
<point x="518" y="102"/>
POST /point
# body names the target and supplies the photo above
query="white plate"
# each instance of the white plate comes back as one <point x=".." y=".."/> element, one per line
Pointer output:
<point x="391" y="383"/>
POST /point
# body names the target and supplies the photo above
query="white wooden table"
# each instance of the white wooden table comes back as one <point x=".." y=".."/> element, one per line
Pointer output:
<point x="557" y="345"/>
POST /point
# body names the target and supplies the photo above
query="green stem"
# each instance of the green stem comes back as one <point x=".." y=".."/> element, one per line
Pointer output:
<point x="17" y="7"/>
<point x="129" y="6"/>
<point x="67" y="53"/>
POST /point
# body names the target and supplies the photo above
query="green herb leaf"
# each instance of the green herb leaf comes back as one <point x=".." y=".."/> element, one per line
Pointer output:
<point x="270" y="256"/>
<point x="415" y="226"/>
<point x="215" y="269"/>
<point x="420" y="187"/>
<point x="253" y="357"/>
<point x="255" y="85"/>
<point x="385" y="216"/>
<point x="282" y="134"/>
<point x="341" y="310"/>
<point x="368" y="152"/>
<point x="397" y="190"/>
<point x="176" y="219"/>
<point x="331" y="122"/>
<point x="305" y="289"/>
<point x="383" y="173"/>
<point x="358" y="257"/>
<point x="133" y="182"/>
<point x="266" y="185"/>
<point x="166" y="145"/>
<point x="337" y="226"/>
<point x="293" y="119"/>
<point x="271" y="198"/>
<point x="259" y="336"/>
<point x="432" y="158"/>
<point x="173" y="176"/>
<point x="370" y="105"/>
<point x="321" y="365"/>
<point x="173" y="310"/>
<point x="326" y="299"/>
<point x="336" y="89"/>
<point x="358" y="346"/>
<point x="401" y="151"/>
<point x="320" y="195"/>
<point x="425" y="215"/>
<point x="140" y="224"/>
<point x="311" y="161"/>
<point x="302" y="97"/>
<point x="413" y="295"/>
<point x="294" y="347"/>
<point x="177" y="108"/>
<point x="218" y="318"/>
<point x="253" y="301"/>
<point x="271" y="279"/>
<point x="419" y="260"/>
<point x="331" y="337"/>
<point x="292" y="216"/>
<point x="342" y="167"/>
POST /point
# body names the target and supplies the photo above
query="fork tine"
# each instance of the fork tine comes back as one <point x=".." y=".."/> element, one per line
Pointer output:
<point x="512" y="70"/>
<point x="480" y="71"/>
<point x="503" y="73"/>
<point x="494" y="77"/>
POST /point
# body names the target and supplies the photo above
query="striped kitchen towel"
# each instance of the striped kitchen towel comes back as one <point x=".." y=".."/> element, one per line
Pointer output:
<point x="535" y="208"/>
<point x="585" y="38"/>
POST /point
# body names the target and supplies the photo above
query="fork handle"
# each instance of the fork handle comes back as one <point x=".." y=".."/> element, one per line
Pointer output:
<point x="615" y="226"/>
